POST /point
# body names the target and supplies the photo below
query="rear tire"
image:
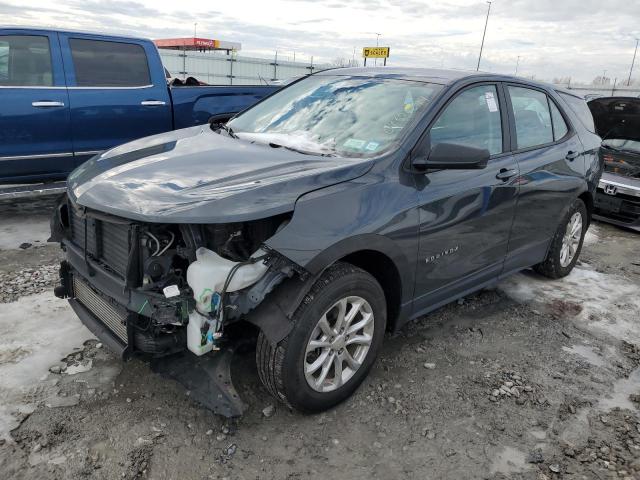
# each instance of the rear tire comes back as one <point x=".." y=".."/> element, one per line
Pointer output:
<point x="566" y="244"/>
<point x="292" y="370"/>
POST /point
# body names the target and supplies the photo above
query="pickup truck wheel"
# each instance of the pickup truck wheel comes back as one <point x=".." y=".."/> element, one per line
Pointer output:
<point x="337" y="333"/>
<point x="566" y="244"/>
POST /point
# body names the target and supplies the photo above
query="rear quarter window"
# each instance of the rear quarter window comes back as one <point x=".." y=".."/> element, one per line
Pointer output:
<point x="581" y="110"/>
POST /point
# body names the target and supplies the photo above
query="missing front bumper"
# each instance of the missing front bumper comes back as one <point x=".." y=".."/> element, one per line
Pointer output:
<point x="208" y="378"/>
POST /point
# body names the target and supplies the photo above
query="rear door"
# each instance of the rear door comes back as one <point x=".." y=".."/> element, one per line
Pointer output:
<point x="466" y="215"/>
<point x="550" y="158"/>
<point x="35" y="138"/>
<point x="117" y="92"/>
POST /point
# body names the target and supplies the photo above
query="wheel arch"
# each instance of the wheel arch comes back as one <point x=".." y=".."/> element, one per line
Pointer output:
<point x="381" y="258"/>
<point x="587" y="199"/>
<point x="382" y="268"/>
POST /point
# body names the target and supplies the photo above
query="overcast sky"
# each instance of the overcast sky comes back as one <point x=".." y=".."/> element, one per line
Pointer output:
<point x="554" y="38"/>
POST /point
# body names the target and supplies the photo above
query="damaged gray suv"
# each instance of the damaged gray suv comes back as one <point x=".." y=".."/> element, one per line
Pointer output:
<point x="338" y="208"/>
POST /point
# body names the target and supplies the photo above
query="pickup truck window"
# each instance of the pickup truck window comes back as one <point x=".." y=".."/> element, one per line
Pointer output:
<point x="532" y="117"/>
<point x="337" y="115"/>
<point x="472" y="119"/>
<point x="25" y="61"/>
<point x="100" y="63"/>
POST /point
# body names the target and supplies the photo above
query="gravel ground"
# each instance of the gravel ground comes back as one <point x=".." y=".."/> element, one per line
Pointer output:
<point x="533" y="379"/>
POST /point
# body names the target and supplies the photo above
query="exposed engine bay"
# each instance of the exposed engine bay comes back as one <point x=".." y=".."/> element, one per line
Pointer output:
<point x="221" y="268"/>
<point x="186" y="282"/>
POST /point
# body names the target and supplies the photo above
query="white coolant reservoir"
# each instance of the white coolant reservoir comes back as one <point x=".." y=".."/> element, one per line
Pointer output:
<point x="196" y="341"/>
<point x="207" y="275"/>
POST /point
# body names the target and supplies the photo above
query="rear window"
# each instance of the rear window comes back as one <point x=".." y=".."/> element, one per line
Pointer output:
<point x="532" y="117"/>
<point x="581" y="110"/>
<point x="25" y="61"/>
<point x="109" y="64"/>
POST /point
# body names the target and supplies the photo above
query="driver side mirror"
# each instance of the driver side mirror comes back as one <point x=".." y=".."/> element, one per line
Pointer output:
<point x="451" y="156"/>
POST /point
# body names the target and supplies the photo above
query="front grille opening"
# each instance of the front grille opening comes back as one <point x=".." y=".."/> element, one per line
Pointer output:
<point x="113" y="317"/>
<point x="106" y="242"/>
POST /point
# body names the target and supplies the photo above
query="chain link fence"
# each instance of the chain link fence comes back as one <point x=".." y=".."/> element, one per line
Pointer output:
<point x="221" y="69"/>
<point x="612" y="90"/>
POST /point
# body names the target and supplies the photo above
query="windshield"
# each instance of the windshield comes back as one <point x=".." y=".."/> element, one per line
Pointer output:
<point x="623" y="145"/>
<point x="337" y="115"/>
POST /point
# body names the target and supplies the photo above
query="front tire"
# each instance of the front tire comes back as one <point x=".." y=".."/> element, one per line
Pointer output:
<point x="567" y="242"/>
<point x="337" y="333"/>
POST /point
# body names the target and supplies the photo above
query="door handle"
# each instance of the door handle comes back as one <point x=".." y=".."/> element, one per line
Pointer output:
<point x="47" y="104"/>
<point x="571" y="155"/>
<point x="506" y="173"/>
<point x="153" y="103"/>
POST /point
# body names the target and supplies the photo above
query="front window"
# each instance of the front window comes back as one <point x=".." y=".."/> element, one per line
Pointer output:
<point x="337" y="115"/>
<point x="471" y="119"/>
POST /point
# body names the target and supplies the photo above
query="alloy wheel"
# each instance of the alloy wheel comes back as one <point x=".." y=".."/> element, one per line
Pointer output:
<point x="339" y="344"/>
<point x="571" y="239"/>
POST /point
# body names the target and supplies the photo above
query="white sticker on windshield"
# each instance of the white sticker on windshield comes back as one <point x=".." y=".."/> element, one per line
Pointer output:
<point x="491" y="101"/>
<point x="354" y="143"/>
<point x="372" y="146"/>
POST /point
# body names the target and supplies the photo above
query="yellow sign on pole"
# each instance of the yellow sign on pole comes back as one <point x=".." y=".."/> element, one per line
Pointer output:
<point x="375" y="52"/>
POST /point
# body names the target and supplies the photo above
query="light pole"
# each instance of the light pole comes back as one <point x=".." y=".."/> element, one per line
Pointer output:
<point x="195" y="29"/>
<point x="377" y="39"/>
<point x="517" y="65"/>
<point x="633" y="61"/>
<point x="604" y="75"/>
<point x="483" y="35"/>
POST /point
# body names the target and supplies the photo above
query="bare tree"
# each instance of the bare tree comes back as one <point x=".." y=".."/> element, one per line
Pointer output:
<point x="340" y="62"/>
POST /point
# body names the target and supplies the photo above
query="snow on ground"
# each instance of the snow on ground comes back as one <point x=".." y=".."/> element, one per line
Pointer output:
<point x="16" y="229"/>
<point x="604" y="303"/>
<point x="35" y="332"/>
<point x="592" y="236"/>
<point x="610" y="303"/>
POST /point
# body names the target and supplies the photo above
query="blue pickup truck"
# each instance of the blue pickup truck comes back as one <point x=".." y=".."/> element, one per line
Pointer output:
<point x="66" y="96"/>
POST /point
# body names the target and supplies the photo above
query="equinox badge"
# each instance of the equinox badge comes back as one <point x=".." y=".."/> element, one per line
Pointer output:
<point x="449" y="251"/>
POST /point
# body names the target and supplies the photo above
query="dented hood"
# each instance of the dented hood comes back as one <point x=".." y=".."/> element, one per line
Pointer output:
<point x="196" y="175"/>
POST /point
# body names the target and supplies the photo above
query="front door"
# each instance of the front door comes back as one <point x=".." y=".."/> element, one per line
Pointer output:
<point x="35" y="137"/>
<point x="117" y="92"/>
<point x="466" y="215"/>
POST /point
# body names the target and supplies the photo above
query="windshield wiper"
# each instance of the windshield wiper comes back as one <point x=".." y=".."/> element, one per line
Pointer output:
<point x="610" y="147"/>
<point x="621" y="150"/>
<point x="225" y="127"/>
<point x="304" y="152"/>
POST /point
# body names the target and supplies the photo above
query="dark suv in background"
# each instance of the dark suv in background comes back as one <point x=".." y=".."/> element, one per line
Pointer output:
<point x="342" y="206"/>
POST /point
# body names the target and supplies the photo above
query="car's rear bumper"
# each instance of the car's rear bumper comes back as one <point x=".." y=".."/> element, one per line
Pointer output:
<point x="618" y="201"/>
